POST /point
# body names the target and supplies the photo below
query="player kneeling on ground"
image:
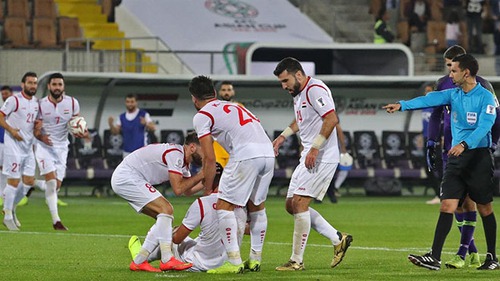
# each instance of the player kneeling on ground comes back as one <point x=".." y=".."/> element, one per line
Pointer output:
<point x="205" y="251"/>
<point x="134" y="181"/>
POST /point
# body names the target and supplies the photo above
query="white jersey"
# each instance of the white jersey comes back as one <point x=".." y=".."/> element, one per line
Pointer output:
<point x="155" y="161"/>
<point x="311" y="105"/>
<point x="55" y="117"/>
<point x="20" y="113"/>
<point x="236" y="129"/>
<point x="209" y="249"/>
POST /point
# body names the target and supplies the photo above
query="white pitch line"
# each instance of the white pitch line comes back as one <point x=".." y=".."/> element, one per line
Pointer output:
<point x="386" y="249"/>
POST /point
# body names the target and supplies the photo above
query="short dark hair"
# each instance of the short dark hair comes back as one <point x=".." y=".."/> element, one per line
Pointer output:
<point x="225" y="82"/>
<point x="202" y="88"/>
<point x="6" y="88"/>
<point x="191" y="137"/>
<point x="28" y="74"/>
<point x="289" y="64"/>
<point x="454" y="51"/>
<point x="56" y="75"/>
<point x="467" y="61"/>
<point x="131" y="96"/>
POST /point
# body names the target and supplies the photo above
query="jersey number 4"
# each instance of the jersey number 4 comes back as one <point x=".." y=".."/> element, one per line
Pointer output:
<point x="244" y="115"/>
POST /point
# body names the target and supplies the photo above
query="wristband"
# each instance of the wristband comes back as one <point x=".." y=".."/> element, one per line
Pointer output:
<point x="318" y="141"/>
<point x="464" y="145"/>
<point x="287" y="132"/>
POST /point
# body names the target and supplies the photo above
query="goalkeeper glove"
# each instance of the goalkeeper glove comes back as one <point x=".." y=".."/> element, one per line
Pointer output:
<point x="431" y="155"/>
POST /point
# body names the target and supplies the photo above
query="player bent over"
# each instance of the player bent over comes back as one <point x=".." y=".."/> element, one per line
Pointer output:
<point x="206" y="251"/>
<point x="133" y="180"/>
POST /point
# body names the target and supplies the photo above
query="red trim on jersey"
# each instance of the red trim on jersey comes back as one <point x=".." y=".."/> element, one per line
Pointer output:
<point x="308" y="88"/>
<point x="175" y="172"/>
<point x="52" y="102"/>
<point x="187" y="227"/>
<point x="323" y="116"/>
<point x="26" y="96"/>
<point x="17" y="104"/>
<point x="40" y="109"/>
<point x="211" y="100"/>
<point x="167" y="151"/>
<point x="207" y="134"/>
<point x="202" y="211"/>
<point x="3" y="113"/>
<point x="73" y="105"/>
<point x="308" y="78"/>
<point x="209" y="116"/>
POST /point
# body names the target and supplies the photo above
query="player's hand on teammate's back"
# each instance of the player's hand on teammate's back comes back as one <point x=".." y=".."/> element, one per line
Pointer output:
<point x="431" y="155"/>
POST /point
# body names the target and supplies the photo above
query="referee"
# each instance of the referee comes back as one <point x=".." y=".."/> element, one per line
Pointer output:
<point x="470" y="163"/>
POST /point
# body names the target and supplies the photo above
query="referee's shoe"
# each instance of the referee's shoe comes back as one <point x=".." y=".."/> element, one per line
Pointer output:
<point x="490" y="263"/>
<point x="426" y="261"/>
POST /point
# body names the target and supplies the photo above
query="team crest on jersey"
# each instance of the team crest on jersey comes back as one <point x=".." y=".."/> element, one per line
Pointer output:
<point x="179" y="163"/>
<point x="471" y="118"/>
<point x="490" y="109"/>
<point x="320" y="102"/>
<point x="303" y="105"/>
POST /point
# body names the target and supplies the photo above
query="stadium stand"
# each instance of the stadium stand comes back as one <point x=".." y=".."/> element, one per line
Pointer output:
<point x="19" y="8"/>
<point x="44" y="9"/>
<point x="15" y="33"/>
<point x="44" y="33"/>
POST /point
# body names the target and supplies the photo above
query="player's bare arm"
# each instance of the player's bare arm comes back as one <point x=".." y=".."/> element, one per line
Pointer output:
<point x="37" y="132"/>
<point x="392" y="107"/>
<point x="180" y="234"/>
<point x="115" y="129"/>
<point x="329" y="122"/>
<point x="180" y="184"/>
<point x="290" y="130"/>
<point x="207" y="147"/>
<point x="14" y="132"/>
<point x="193" y="190"/>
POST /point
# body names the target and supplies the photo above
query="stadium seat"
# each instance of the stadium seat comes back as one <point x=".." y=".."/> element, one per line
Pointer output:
<point x="70" y="28"/>
<point x="89" y="152"/>
<point x="2" y="17"/>
<point x="15" y="33"/>
<point x="44" y="8"/>
<point x="289" y="152"/>
<point x="19" y="8"/>
<point x="367" y="148"/>
<point x="416" y="150"/>
<point x="394" y="148"/>
<point x="113" y="153"/>
<point x="44" y="33"/>
<point x="172" y="136"/>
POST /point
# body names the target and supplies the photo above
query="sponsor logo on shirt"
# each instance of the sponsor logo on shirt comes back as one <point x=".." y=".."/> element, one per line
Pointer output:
<point x="471" y="118"/>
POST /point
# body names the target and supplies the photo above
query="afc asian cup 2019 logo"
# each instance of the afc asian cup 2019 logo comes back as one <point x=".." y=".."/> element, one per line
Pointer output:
<point x="232" y="8"/>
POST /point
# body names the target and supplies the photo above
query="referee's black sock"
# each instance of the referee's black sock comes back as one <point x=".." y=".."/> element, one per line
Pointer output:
<point x="443" y="227"/>
<point x="490" y="231"/>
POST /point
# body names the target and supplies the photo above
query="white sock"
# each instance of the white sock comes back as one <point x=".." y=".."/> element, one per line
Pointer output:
<point x="20" y="193"/>
<point x="150" y="243"/>
<point x="8" y="203"/>
<point x="228" y="229"/>
<point x="241" y="220"/>
<point x="3" y="183"/>
<point x="341" y="176"/>
<point x="41" y="184"/>
<point x="319" y="224"/>
<point x="164" y="234"/>
<point x="258" y="228"/>
<point x="301" y="229"/>
<point x="51" y="197"/>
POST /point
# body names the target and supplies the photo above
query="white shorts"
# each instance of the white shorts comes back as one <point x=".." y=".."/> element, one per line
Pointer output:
<point x="133" y="188"/>
<point x="311" y="182"/>
<point x="186" y="252"/>
<point x="15" y="165"/>
<point x="50" y="159"/>
<point x="2" y="145"/>
<point x="246" y="180"/>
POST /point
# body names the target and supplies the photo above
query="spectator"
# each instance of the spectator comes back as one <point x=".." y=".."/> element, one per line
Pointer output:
<point x="418" y="13"/>
<point x="495" y="10"/>
<point x="453" y="29"/>
<point x="382" y="33"/>
<point x="474" y="10"/>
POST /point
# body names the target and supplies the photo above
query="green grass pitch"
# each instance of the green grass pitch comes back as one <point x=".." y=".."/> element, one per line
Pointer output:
<point x="385" y="231"/>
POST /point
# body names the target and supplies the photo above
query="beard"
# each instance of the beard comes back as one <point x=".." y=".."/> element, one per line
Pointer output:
<point x="196" y="159"/>
<point x="28" y="92"/>
<point x="56" y="94"/>
<point x="296" y="89"/>
<point x="226" y="97"/>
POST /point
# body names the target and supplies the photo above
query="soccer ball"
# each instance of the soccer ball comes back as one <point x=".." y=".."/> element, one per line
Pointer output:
<point x="77" y="125"/>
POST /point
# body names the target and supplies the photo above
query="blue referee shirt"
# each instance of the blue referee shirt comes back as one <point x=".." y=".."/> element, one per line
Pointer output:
<point x="472" y="113"/>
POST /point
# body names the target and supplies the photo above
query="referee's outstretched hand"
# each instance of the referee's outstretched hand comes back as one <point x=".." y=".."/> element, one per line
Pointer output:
<point x="392" y="107"/>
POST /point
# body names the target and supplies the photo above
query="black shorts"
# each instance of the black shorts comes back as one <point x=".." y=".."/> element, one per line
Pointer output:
<point x="470" y="173"/>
